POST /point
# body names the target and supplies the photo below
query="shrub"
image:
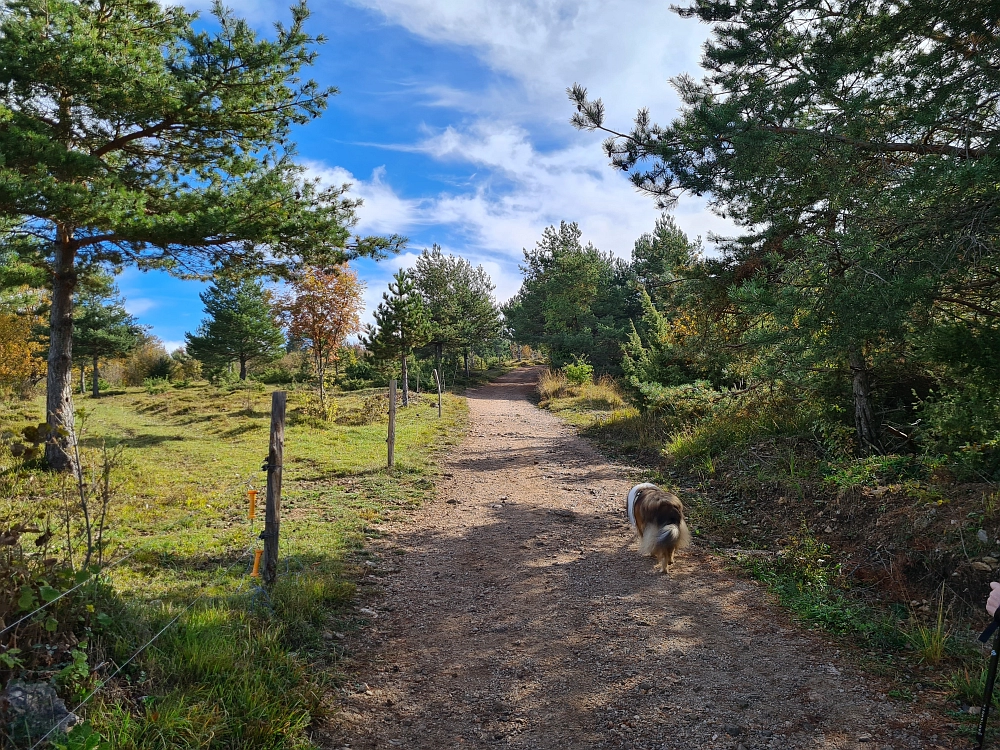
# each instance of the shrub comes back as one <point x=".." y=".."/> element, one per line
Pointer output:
<point x="156" y="385"/>
<point x="579" y="372"/>
<point x="373" y="408"/>
<point x="294" y="367"/>
<point x="707" y="424"/>
<point x="150" y="360"/>
<point x="20" y="363"/>
<point x="962" y="424"/>
<point x="184" y="367"/>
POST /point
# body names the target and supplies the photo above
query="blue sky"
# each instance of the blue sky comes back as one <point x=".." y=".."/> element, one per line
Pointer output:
<point x="452" y="126"/>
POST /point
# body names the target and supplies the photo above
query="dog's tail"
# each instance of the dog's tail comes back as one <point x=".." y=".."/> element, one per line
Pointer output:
<point x="675" y="535"/>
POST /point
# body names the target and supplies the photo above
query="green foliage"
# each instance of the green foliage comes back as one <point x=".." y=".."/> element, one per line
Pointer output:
<point x="241" y="326"/>
<point x="872" y="470"/>
<point x="237" y="669"/>
<point x="101" y="326"/>
<point x="184" y="367"/>
<point x="808" y="582"/>
<point x="931" y="641"/>
<point x="970" y="687"/>
<point x="579" y="372"/>
<point x="148" y="360"/>
<point x="80" y="737"/>
<point x="130" y="137"/>
<point x="574" y="300"/>
<point x="401" y="321"/>
<point x="859" y="209"/>
<point x="459" y="300"/>
<point x="156" y="385"/>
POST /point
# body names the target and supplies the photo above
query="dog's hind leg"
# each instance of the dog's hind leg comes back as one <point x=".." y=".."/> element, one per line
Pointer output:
<point x="662" y="561"/>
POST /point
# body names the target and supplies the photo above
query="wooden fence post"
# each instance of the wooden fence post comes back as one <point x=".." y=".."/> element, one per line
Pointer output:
<point x="391" y="439"/>
<point x="437" y="379"/>
<point x="272" y="510"/>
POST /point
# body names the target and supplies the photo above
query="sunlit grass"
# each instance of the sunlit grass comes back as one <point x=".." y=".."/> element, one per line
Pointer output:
<point x="239" y="668"/>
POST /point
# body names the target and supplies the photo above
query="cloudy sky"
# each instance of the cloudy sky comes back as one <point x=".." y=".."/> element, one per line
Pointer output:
<point x="452" y="126"/>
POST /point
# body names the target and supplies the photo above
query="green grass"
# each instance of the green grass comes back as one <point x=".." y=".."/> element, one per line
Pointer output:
<point x="239" y="668"/>
<point x="818" y="602"/>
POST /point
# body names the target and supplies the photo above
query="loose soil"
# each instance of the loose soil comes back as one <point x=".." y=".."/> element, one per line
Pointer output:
<point x="514" y="611"/>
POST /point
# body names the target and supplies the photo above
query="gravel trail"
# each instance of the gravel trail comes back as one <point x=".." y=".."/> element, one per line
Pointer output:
<point x="514" y="612"/>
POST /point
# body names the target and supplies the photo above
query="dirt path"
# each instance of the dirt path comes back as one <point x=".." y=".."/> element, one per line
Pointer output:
<point x="514" y="612"/>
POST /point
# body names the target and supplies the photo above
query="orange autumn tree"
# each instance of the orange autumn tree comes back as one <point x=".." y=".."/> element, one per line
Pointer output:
<point x="19" y="361"/>
<point x="323" y="309"/>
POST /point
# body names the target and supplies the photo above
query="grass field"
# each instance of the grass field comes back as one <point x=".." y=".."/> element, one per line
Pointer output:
<point x="239" y="667"/>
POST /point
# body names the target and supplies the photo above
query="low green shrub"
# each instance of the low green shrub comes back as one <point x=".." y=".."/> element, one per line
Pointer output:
<point x="579" y="372"/>
<point x="156" y="385"/>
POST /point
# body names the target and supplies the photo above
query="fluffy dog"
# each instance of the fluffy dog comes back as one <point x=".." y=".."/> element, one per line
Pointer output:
<point x="657" y="517"/>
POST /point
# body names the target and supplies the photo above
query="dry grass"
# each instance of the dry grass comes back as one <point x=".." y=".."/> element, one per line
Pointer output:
<point x="552" y="384"/>
<point x="558" y="394"/>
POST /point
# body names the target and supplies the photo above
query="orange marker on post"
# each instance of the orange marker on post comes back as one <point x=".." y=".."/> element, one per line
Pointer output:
<point x="252" y="494"/>
<point x="255" y="573"/>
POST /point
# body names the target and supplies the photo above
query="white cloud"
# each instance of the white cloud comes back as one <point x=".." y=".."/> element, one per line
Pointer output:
<point x="139" y="305"/>
<point x="624" y="50"/>
<point x="172" y="346"/>
<point x="517" y="193"/>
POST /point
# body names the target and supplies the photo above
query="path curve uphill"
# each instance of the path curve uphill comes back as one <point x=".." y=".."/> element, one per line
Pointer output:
<point x="513" y="611"/>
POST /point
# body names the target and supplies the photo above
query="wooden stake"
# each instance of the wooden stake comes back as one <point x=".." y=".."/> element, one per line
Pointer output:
<point x="437" y="380"/>
<point x="272" y="511"/>
<point x="391" y="439"/>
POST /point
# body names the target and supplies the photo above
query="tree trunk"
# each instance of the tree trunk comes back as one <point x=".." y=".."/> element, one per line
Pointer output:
<point x="466" y="364"/>
<point x="83" y="379"/>
<point x="406" y="383"/>
<point x="60" y="448"/>
<point x="437" y="358"/>
<point x="321" y="370"/>
<point x="243" y="368"/>
<point x="96" y="380"/>
<point x="864" y="416"/>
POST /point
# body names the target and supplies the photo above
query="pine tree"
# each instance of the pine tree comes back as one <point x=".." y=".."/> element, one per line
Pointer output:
<point x="401" y="325"/>
<point x="852" y="144"/>
<point x="129" y="137"/>
<point x="241" y="326"/>
<point x="102" y="327"/>
<point x="459" y="300"/>
<point x="574" y="301"/>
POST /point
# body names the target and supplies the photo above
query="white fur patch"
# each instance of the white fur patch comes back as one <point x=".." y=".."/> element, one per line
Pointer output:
<point x="631" y="500"/>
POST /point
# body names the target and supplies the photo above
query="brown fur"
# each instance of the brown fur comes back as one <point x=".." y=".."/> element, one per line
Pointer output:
<point x="655" y="511"/>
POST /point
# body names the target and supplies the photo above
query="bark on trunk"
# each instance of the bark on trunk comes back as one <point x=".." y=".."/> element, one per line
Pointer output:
<point x="83" y="379"/>
<point x="96" y="381"/>
<point x="437" y="358"/>
<point x="864" y="416"/>
<point x="243" y="369"/>
<point x="60" y="449"/>
<point x="466" y="364"/>
<point x="406" y="383"/>
<point x="322" y="386"/>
